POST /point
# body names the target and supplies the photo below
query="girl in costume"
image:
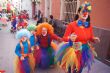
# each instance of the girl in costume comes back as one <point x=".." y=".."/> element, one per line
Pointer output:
<point x="83" y="29"/>
<point x="45" y="35"/>
<point x="24" y="61"/>
<point x="32" y="29"/>
<point x="66" y="55"/>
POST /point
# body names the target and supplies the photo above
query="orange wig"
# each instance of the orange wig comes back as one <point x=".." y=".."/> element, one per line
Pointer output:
<point x="50" y="29"/>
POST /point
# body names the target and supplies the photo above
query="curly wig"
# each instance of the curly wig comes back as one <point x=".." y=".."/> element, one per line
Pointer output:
<point x="50" y="29"/>
<point x="22" y="32"/>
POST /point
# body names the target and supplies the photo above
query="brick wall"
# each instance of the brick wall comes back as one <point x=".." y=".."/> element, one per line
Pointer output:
<point x="56" y="8"/>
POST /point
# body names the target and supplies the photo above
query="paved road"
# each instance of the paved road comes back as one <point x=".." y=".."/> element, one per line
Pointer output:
<point x="7" y="47"/>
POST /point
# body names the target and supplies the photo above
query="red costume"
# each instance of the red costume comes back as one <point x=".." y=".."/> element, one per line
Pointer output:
<point x="83" y="34"/>
<point x="45" y="41"/>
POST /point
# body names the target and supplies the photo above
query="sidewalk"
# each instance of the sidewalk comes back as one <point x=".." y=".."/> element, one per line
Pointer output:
<point x="98" y="67"/>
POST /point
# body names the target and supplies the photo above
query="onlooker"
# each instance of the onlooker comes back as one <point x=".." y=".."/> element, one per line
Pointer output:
<point x="51" y="20"/>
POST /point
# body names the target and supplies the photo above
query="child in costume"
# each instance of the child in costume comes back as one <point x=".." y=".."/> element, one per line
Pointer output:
<point x="83" y="29"/>
<point x="32" y="29"/>
<point x="13" y="23"/>
<point x="45" y="36"/>
<point x="66" y="55"/>
<point x="33" y="41"/>
<point x="24" y="62"/>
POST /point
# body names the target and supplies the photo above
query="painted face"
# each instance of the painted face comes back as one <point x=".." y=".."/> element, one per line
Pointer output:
<point x="24" y="38"/>
<point x="83" y="15"/>
<point x="44" y="31"/>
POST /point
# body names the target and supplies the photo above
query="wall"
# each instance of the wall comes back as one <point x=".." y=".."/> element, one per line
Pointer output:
<point x="42" y="6"/>
<point x="56" y="8"/>
<point x="27" y="5"/>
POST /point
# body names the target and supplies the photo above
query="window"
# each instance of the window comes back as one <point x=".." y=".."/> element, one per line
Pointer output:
<point x="70" y="10"/>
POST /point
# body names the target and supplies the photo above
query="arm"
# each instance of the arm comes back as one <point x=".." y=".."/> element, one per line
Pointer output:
<point x="18" y="50"/>
<point x="68" y="32"/>
<point x="93" y="38"/>
<point x="55" y="37"/>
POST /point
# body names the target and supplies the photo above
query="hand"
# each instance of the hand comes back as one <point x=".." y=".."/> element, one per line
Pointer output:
<point x="32" y="48"/>
<point x="22" y="58"/>
<point x="37" y="47"/>
<point x="60" y="39"/>
<point x="96" y="39"/>
<point x="24" y="55"/>
<point x="73" y="37"/>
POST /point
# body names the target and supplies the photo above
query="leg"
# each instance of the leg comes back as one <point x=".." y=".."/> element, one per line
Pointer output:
<point x="26" y="66"/>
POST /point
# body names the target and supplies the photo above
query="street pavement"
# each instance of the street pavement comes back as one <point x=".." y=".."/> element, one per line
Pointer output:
<point x="7" y="54"/>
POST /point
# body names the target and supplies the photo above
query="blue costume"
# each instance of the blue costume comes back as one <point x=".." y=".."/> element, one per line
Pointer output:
<point x="25" y="62"/>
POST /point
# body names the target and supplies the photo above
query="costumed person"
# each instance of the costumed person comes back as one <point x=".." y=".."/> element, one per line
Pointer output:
<point x="33" y="41"/>
<point x="22" y="24"/>
<point x="13" y="23"/>
<point x="4" y="19"/>
<point x="66" y="55"/>
<point x="45" y="36"/>
<point x="83" y="29"/>
<point x="32" y="29"/>
<point x="24" y="62"/>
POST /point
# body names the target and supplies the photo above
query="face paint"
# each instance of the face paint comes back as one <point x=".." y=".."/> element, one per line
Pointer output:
<point x="85" y="10"/>
<point x="44" y="31"/>
<point x="84" y="15"/>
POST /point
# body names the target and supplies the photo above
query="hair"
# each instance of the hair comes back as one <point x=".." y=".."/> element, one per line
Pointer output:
<point x="51" y="16"/>
<point x="50" y="29"/>
<point x="77" y="16"/>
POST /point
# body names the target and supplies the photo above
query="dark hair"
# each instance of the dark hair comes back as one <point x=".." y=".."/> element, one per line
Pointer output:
<point x="51" y="16"/>
<point x="77" y="16"/>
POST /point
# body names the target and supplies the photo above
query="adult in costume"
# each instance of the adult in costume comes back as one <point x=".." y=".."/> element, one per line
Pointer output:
<point x="45" y="36"/>
<point x="24" y="62"/>
<point x="83" y="29"/>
